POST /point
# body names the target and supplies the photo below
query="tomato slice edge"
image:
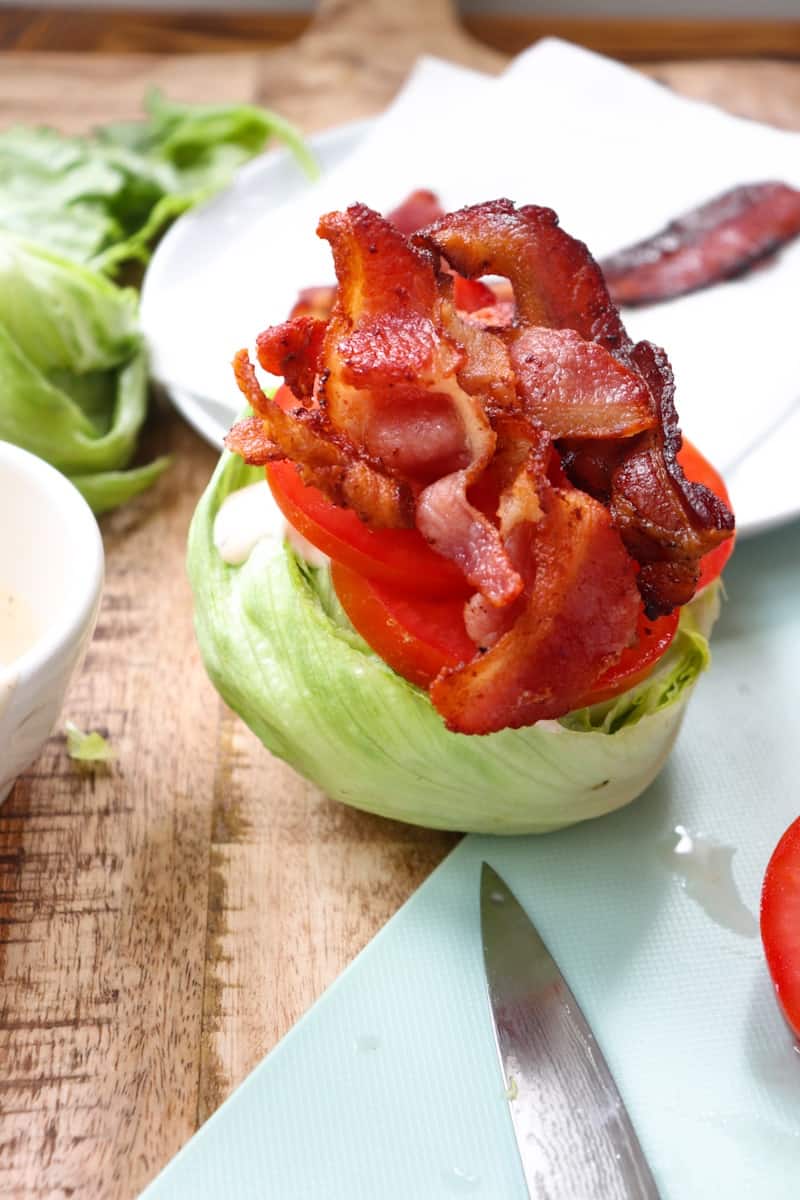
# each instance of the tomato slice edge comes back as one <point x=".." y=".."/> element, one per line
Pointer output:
<point x="780" y="923"/>
<point x="399" y="556"/>
<point x="383" y="576"/>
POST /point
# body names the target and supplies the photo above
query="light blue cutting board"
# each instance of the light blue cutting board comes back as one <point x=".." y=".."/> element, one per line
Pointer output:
<point x="389" y="1087"/>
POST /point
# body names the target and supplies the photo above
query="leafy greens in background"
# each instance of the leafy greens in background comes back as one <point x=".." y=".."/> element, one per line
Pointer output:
<point x="73" y="210"/>
<point x="101" y="200"/>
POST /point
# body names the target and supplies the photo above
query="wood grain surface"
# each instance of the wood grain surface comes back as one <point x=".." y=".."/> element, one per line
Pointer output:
<point x="636" y="39"/>
<point x="163" y="923"/>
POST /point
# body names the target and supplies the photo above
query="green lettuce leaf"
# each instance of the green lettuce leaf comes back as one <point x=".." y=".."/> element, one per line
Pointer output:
<point x="73" y="371"/>
<point x="73" y="374"/>
<point x="282" y="653"/>
<point x="73" y="210"/>
<point x="103" y="200"/>
<point x="108" y="489"/>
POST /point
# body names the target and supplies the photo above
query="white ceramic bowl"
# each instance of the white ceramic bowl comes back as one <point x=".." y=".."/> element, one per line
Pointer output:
<point x="51" y="559"/>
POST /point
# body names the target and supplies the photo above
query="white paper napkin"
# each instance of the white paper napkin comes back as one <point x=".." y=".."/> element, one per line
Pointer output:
<point x="614" y="153"/>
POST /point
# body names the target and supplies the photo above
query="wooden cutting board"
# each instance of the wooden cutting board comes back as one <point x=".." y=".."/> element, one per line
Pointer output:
<point x="163" y="924"/>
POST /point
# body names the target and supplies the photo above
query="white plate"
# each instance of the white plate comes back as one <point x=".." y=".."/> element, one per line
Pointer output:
<point x="762" y="481"/>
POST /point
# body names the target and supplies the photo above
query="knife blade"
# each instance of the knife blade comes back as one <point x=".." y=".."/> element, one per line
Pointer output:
<point x="575" y="1138"/>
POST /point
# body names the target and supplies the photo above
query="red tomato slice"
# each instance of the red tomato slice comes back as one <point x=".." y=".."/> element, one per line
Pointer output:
<point x="653" y="638"/>
<point x="407" y="603"/>
<point x="780" y="923"/>
<point x="699" y="470"/>
<point x="400" y="557"/>
<point x="416" y="636"/>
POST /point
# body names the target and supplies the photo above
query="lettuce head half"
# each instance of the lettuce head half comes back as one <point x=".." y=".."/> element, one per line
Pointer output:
<point x="73" y="371"/>
<point x="283" y="655"/>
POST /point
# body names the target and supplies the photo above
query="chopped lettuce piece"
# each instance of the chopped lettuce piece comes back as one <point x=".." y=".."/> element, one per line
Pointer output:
<point x="91" y="749"/>
<point x="283" y="655"/>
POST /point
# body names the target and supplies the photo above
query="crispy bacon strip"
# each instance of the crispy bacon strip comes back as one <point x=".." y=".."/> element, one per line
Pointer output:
<point x="459" y="531"/>
<point x="314" y="302"/>
<point x="248" y="439"/>
<point x="575" y="388"/>
<point x="294" y="351"/>
<point x="666" y="522"/>
<point x="408" y="401"/>
<point x="484" y="368"/>
<point x="382" y="327"/>
<point x="419" y="208"/>
<point x="722" y="238"/>
<point x="471" y="295"/>
<point x="582" y="610"/>
<point x="324" y="458"/>
<point x="393" y="355"/>
<point x="518" y="476"/>
<point x="556" y="281"/>
<point x="558" y="284"/>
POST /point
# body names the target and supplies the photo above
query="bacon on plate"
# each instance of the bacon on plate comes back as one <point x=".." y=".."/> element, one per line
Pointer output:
<point x="720" y="239"/>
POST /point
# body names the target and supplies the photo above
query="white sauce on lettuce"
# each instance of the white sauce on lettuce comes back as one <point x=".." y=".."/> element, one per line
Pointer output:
<point x="18" y="628"/>
<point x="250" y="516"/>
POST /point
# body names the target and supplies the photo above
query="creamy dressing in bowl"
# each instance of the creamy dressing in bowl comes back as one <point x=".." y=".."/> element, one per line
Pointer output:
<point x="18" y="626"/>
<point x="51" y="578"/>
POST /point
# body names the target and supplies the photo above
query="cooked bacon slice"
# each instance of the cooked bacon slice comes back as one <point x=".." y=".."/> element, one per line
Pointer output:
<point x="512" y="485"/>
<point x="470" y="295"/>
<point x="575" y="388"/>
<point x="484" y="369"/>
<point x="396" y="381"/>
<point x="249" y="439"/>
<point x="527" y="439"/>
<point x="459" y="531"/>
<point x="557" y="284"/>
<point x="324" y="458"/>
<point x="293" y="350"/>
<point x="382" y="328"/>
<point x="721" y="239"/>
<point x="385" y="347"/>
<point x="666" y="522"/>
<point x="314" y="302"/>
<point x="582" y="610"/>
<point x="589" y="463"/>
<point x="556" y="281"/>
<point x="419" y="208"/>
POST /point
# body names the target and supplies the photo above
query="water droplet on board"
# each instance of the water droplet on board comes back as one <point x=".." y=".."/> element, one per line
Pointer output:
<point x="497" y="897"/>
<point x="367" y="1043"/>
<point x="461" y="1181"/>
<point x="704" y="869"/>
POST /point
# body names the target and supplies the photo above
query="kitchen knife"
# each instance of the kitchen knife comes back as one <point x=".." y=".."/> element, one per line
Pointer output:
<point x="575" y="1138"/>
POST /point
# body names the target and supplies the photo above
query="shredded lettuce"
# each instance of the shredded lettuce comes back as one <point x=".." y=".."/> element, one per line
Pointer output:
<point x="283" y="655"/>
